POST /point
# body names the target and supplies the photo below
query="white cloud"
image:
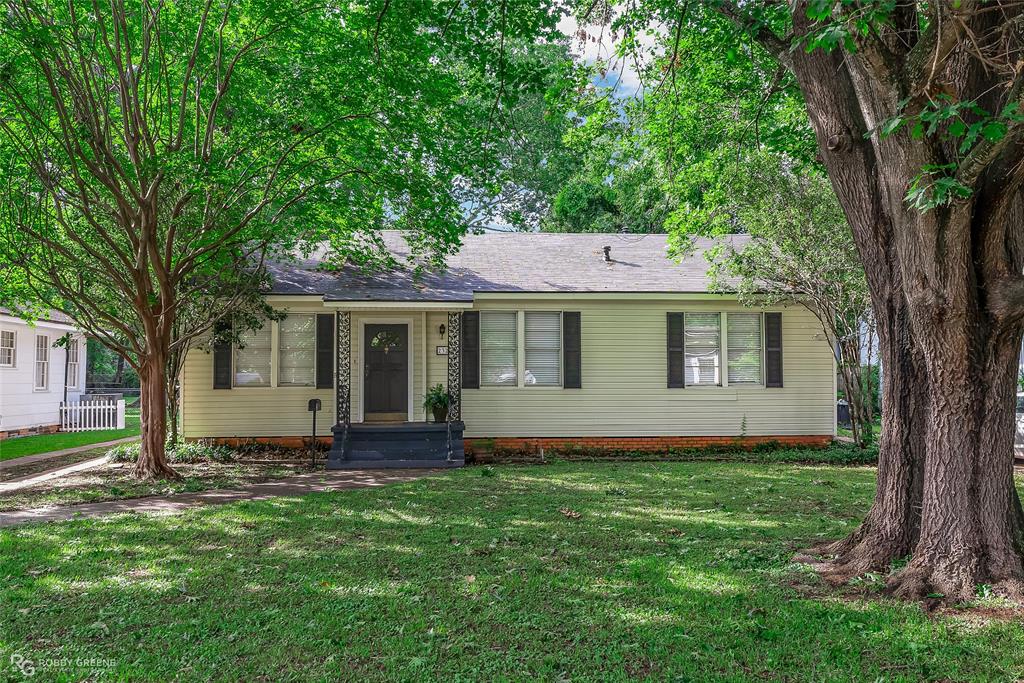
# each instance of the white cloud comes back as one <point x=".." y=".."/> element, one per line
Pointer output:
<point x="591" y="43"/>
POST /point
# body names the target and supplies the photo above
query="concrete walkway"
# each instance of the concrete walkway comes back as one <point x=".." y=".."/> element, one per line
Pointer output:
<point x="334" y="480"/>
<point x="29" y="459"/>
<point x="40" y="477"/>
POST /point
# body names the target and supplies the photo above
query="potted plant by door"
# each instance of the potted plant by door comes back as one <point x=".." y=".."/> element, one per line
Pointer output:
<point x="436" y="401"/>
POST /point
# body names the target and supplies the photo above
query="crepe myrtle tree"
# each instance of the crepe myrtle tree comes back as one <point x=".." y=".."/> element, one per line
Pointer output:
<point x="916" y="111"/>
<point x="155" y="155"/>
<point x="800" y="251"/>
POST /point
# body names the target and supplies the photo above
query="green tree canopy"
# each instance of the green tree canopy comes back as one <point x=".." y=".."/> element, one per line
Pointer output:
<point x="155" y="156"/>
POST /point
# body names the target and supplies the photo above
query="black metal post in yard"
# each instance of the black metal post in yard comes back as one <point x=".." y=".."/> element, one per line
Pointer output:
<point x="314" y="407"/>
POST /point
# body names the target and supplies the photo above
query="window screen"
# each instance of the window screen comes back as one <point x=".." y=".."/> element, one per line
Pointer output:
<point x="252" y="358"/>
<point x="73" y="363"/>
<point x="498" y="366"/>
<point x="703" y="343"/>
<point x="297" y="350"/>
<point x="744" y="344"/>
<point x="543" y="341"/>
<point x="7" y="346"/>
<point x="42" y="369"/>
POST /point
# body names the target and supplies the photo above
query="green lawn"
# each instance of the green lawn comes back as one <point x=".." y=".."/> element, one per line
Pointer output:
<point x="671" y="571"/>
<point x="44" y="443"/>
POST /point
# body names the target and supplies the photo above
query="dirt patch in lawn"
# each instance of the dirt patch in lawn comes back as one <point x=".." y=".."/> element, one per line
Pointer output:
<point x="114" y="481"/>
<point x="48" y="464"/>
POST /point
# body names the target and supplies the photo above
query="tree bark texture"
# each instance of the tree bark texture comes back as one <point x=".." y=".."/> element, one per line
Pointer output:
<point x="949" y="344"/>
<point x="152" y="462"/>
<point x="855" y="392"/>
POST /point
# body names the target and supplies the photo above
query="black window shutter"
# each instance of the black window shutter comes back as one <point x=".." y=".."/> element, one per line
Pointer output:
<point x="773" y="349"/>
<point x="676" y="351"/>
<point x="571" y="356"/>
<point x="324" y="350"/>
<point x="470" y="350"/>
<point x="221" y="358"/>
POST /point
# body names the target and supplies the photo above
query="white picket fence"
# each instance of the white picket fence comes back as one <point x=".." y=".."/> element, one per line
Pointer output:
<point x="86" y="416"/>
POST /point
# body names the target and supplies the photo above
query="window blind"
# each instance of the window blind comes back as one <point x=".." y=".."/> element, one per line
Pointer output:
<point x="543" y="341"/>
<point x="702" y="348"/>
<point x="498" y="362"/>
<point x="744" y="343"/>
<point x="252" y="358"/>
<point x="297" y="352"/>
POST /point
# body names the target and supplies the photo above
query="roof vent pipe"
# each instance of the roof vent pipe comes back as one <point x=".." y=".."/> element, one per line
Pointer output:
<point x="608" y="254"/>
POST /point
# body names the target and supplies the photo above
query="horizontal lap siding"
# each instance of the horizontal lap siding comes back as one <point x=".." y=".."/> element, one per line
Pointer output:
<point x="281" y="411"/>
<point x="624" y="383"/>
<point x="21" y="406"/>
<point x="437" y="366"/>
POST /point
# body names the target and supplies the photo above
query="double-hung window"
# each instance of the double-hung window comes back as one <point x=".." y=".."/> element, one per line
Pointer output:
<point x="72" y="363"/>
<point x="543" y="342"/>
<point x="41" y="373"/>
<point x="498" y="351"/>
<point x="252" y="358"/>
<point x="297" y="351"/>
<point x="8" y="348"/>
<point x="745" y="346"/>
<point x="702" y="349"/>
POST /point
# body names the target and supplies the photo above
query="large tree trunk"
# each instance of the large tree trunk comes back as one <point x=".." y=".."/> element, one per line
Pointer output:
<point x="970" y="514"/>
<point x="945" y="494"/>
<point x="891" y="527"/>
<point x="152" y="463"/>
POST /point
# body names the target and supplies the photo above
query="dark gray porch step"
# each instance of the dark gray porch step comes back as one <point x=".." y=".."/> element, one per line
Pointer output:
<point x="391" y="464"/>
<point x="406" y="444"/>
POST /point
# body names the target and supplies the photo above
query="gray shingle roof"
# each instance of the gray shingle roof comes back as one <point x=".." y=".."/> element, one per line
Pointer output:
<point x="53" y="316"/>
<point x="512" y="262"/>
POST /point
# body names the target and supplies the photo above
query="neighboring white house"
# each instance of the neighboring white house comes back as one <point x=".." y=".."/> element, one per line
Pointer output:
<point x="32" y="372"/>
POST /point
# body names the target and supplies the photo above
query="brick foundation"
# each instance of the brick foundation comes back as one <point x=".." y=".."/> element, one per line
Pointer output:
<point x="649" y="444"/>
<point x="29" y="431"/>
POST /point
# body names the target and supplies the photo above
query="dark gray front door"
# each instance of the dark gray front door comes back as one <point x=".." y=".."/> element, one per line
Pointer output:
<point x="386" y="372"/>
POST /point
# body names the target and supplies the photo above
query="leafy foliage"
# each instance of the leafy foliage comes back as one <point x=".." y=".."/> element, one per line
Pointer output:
<point x="180" y="452"/>
<point x="155" y="157"/>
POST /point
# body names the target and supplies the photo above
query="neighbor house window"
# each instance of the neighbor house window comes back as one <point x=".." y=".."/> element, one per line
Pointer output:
<point x="73" y="363"/>
<point x="543" y="341"/>
<point x="296" y="355"/>
<point x="8" y="344"/>
<point x="498" y="366"/>
<point x="702" y="349"/>
<point x="745" y="348"/>
<point x="252" y="358"/>
<point x="42" y="369"/>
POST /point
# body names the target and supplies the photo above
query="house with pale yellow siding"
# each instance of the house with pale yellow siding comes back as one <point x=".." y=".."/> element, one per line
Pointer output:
<point x="539" y="340"/>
